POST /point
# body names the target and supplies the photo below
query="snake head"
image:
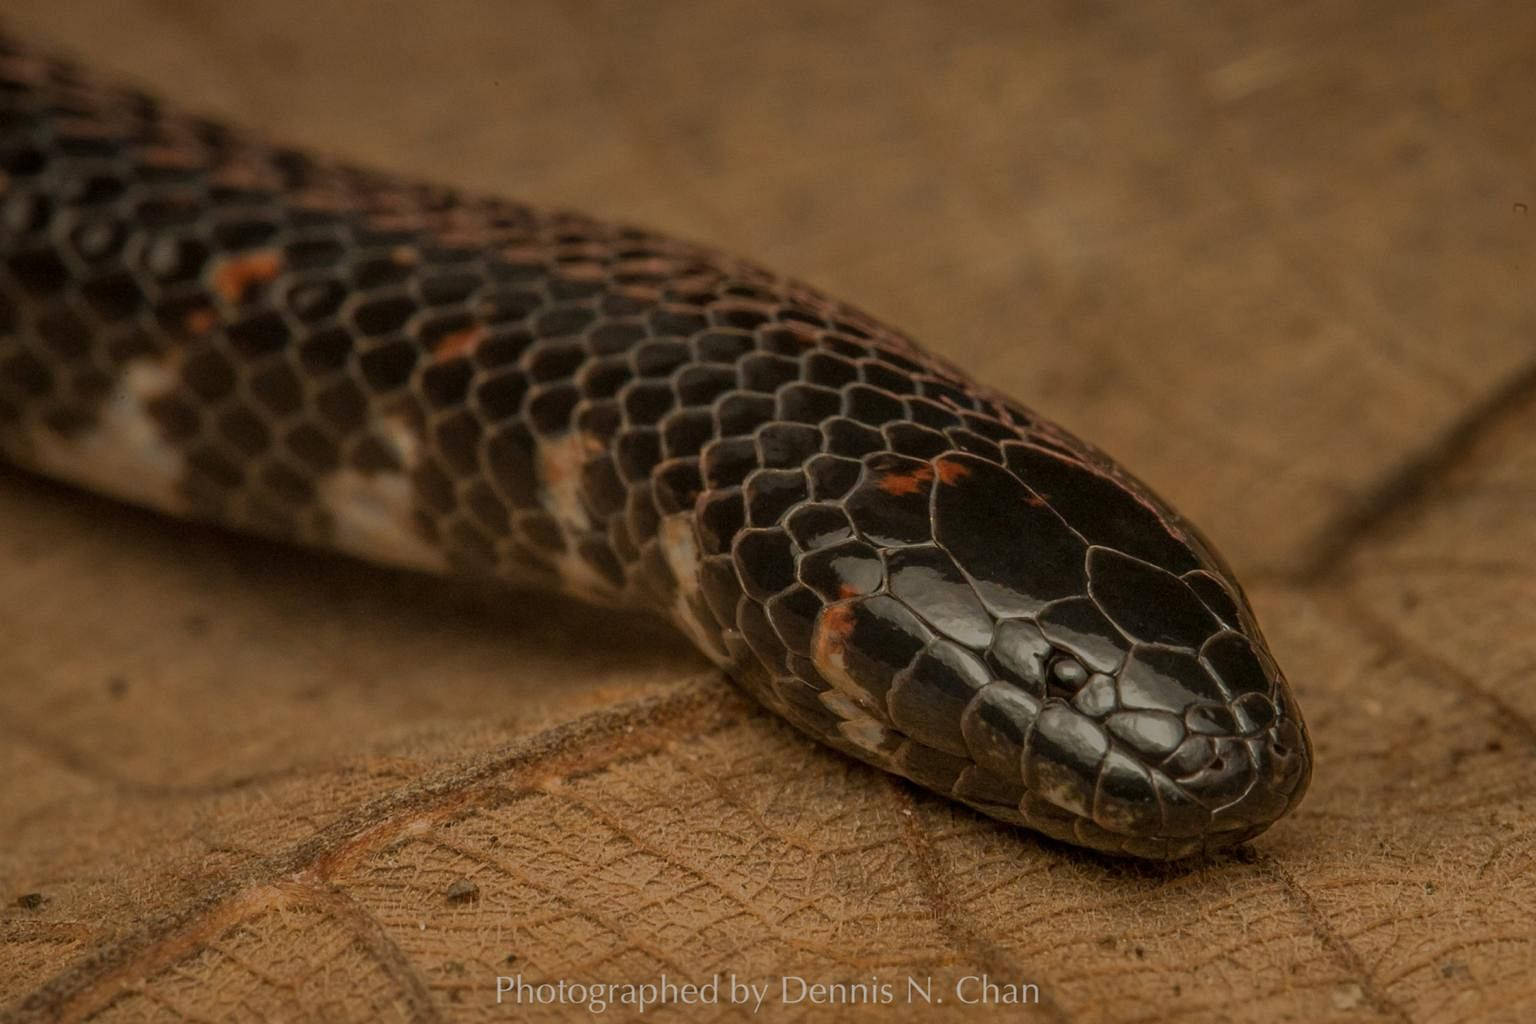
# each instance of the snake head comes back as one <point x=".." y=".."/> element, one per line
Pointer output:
<point x="1038" y="635"/>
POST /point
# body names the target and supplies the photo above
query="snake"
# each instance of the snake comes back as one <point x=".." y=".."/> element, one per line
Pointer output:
<point x="908" y="566"/>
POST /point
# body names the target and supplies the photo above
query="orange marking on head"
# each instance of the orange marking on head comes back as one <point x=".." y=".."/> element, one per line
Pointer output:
<point x="832" y="633"/>
<point x="906" y="483"/>
<point x="236" y="275"/>
<point x="952" y="472"/>
<point x="847" y="590"/>
<point x="199" y="321"/>
<point x="1035" y="500"/>
<point x="458" y="343"/>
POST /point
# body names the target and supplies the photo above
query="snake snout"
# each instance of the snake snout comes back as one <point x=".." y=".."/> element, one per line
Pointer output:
<point x="1237" y="771"/>
<point x="1206" y="747"/>
<point x="1285" y="763"/>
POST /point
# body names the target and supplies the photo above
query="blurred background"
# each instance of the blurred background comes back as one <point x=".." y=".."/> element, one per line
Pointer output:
<point x="1264" y="253"/>
<point x="1276" y="257"/>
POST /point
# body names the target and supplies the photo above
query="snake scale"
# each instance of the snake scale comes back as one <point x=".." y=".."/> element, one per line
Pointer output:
<point x="909" y="567"/>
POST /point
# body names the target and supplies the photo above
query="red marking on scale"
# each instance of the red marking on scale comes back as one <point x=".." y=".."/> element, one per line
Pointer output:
<point x="236" y="276"/>
<point x="459" y="343"/>
<point x="906" y="483"/>
<point x="836" y="627"/>
<point x="199" y="321"/>
<point x="952" y="472"/>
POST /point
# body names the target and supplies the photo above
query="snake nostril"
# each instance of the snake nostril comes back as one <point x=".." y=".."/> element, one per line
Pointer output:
<point x="1287" y="745"/>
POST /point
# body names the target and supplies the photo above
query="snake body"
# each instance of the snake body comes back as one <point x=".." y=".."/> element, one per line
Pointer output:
<point x="909" y="567"/>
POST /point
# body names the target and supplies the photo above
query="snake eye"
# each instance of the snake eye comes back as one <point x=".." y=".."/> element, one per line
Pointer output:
<point x="1066" y="673"/>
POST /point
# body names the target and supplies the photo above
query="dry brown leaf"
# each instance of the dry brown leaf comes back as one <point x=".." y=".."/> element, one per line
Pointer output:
<point x="1276" y="257"/>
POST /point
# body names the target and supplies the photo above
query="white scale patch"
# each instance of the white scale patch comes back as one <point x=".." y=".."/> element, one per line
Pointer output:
<point x="560" y="465"/>
<point x="681" y="551"/>
<point x="858" y="725"/>
<point x="373" y="512"/>
<point x="123" y="455"/>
